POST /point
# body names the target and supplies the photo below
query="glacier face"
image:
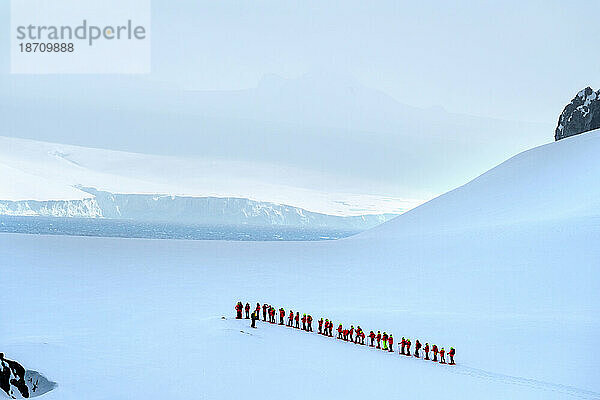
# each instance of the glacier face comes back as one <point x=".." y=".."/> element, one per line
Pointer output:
<point x="188" y="210"/>
<point x="86" y="208"/>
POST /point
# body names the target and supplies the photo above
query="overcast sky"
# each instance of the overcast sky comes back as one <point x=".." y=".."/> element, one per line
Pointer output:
<point x="518" y="60"/>
<point x="509" y="59"/>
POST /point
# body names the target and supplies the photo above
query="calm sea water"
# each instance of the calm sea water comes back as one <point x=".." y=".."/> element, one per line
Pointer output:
<point x="131" y="229"/>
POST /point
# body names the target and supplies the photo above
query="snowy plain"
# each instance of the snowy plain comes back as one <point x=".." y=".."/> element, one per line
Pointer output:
<point x="505" y="269"/>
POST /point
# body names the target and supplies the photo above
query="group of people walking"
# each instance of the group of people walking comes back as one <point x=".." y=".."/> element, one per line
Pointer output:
<point x="355" y="335"/>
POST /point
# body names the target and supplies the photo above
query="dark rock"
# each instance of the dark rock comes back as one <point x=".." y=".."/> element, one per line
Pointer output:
<point x="12" y="376"/>
<point x="581" y="115"/>
<point x="18" y="382"/>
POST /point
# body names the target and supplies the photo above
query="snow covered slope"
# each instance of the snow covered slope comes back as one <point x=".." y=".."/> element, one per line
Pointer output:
<point x="55" y="174"/>
<point x="517" y="296"/>
<point x="553" y="181"/>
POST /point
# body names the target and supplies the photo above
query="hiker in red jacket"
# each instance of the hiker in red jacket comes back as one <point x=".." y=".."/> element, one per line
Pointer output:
<point x="291" y="319"/>
<point x="247" y="308"/>
<point x="403" y="345"/>
<point x="346" y="332"/>
<point x="372" y="337"/>
<point x="362" y="337"/>
<point x="330" y="328"/>
<point x="351" y="333"/>
<point x="435" y="351"/>
<point x="297" y="320"/>
<point x="391" y="342"/>
<point x="442" y="359"/>
<point x="340" y="331"/>
<point x="238" y="309"/>
<point x="257" y="311"/>
<point x="358" y="334"/>
<point x="417" y="348"/>
<point x="281" y="315"/>
<point x="408" y="347"/>
<point x="426" y="350"/>
<point x="303" y="322"/>
<point x="265" y="312"/>
<point x="451" y="353"/>
<point x="378" y="339"/>
<point x="385" y="339"/>
<point x="309" y="323"/>
<point x="320" y="326"/>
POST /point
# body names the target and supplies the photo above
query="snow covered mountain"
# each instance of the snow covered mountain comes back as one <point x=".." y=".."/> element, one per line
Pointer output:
<point x="582" y="114"/>
<point x="68" y="181"/>
<point x="505" y="269"/>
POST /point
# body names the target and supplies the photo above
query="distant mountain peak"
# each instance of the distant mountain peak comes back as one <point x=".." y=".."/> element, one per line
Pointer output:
<point x="319" y="82"/>
<point x="581" y="115"/>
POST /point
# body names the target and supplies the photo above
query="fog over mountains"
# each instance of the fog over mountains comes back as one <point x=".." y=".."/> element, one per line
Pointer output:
<point x="318" y="122"/>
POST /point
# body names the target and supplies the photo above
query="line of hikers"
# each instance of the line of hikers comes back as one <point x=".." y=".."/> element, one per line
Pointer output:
<point x="354" y="335"/>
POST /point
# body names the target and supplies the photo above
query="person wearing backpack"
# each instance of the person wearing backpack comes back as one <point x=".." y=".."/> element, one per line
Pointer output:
<point x="442" y="359"/>
<point x="281" y="316"/>
<point x="385" y="339"/>
<point x="417" y="348"/>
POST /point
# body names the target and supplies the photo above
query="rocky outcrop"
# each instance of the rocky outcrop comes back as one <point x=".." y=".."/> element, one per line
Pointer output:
<point x="20" y="383"/>
<point x="12" y="378"/>
<point x="581" y="115"/>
